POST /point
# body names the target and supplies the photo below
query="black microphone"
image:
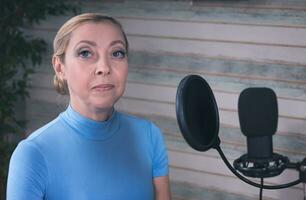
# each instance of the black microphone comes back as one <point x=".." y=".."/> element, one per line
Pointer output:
<point x="258" y="117"/>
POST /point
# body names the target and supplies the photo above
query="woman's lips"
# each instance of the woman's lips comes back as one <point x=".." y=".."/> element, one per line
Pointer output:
<point x="103" y="87"/>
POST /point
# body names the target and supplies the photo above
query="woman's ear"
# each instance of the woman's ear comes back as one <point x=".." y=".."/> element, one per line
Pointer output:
<point x="58" y="67"/>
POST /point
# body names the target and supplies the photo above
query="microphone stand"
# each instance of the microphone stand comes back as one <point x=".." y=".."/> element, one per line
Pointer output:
<point x="299" y="166"/>
<point x="302" y="171"/>
<point x="269" y="187"/>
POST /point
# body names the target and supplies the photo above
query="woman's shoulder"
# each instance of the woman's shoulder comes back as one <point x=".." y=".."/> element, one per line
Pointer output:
<point x="45" y="130"/>
<point x="42" y="138"/>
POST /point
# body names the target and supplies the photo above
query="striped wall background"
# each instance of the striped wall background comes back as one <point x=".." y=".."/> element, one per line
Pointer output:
<point x="233" y="45"/>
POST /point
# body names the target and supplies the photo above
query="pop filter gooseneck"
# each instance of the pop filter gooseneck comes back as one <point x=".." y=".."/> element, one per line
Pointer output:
<point x="198" y="119"/>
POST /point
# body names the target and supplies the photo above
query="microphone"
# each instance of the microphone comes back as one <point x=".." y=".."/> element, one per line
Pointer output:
<point x="258" y="117"/>
<point x="198" y="119"/>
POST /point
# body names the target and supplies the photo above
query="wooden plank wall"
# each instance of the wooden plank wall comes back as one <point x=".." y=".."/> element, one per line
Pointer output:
<point x="233" y="45"/>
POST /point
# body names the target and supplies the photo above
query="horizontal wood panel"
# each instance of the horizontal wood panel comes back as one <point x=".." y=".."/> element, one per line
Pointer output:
<point x="238" y="69"/>
<point x="187" y="191"/>
<point x="279" y="4"/>
<point x="216" y="32"/>
<point x="217" y="83"/>
<point x="212" y="12"/>
<point x="185" y="11"/>
<point x="219" y="49"/>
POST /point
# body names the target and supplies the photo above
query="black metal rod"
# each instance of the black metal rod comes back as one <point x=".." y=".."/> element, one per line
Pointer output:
<point x="260" y="190"/>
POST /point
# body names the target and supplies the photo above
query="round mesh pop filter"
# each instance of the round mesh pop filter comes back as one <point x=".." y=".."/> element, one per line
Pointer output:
<point x="197" y="113"/>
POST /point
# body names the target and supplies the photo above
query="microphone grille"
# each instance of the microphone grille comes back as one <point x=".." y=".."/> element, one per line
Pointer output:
<point x="258" y="112"/>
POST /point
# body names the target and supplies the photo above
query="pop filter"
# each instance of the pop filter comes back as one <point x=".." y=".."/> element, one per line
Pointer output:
<point x="198" y="119"/>
<point x="197" y="113"/>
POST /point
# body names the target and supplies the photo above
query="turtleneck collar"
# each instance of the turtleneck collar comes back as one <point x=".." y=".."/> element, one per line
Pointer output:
<point x="88" y="128"/>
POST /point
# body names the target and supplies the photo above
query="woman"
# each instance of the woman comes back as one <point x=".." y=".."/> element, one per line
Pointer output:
<point x="91" y="151"/>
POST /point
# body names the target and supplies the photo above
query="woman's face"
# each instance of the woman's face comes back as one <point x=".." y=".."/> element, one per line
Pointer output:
<point x="95" y="67"/>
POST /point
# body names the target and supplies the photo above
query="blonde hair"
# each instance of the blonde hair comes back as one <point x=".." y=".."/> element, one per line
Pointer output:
<point x="63" y="36"/>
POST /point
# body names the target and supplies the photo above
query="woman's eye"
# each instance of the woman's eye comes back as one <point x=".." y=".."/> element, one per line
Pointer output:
<point x="118" y="54"/>
<point x="84" y="54"/>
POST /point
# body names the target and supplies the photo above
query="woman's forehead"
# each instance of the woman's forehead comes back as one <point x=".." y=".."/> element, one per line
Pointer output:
<point x="96" y="31"/>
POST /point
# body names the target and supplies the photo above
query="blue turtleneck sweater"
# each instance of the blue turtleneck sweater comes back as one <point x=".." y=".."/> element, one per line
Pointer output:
<point x="76" y="158"/>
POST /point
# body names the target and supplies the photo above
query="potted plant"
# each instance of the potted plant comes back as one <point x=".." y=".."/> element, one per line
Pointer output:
<point x="20" y="54"/>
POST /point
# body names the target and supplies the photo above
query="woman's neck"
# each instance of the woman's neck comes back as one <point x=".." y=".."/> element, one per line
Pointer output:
<point x="97" y="114"/>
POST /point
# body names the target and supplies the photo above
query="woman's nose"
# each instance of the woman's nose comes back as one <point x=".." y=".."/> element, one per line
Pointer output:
<point x="103" y="67"/>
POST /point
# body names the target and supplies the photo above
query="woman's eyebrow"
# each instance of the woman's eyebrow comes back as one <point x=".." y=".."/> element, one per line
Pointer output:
<point x="92" y="43"/>
<point x="116" y="42"/>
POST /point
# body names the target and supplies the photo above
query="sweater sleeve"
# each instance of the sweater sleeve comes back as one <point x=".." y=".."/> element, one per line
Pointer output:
<point x="27" y="173"/>
<point x="160" y="157"/>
